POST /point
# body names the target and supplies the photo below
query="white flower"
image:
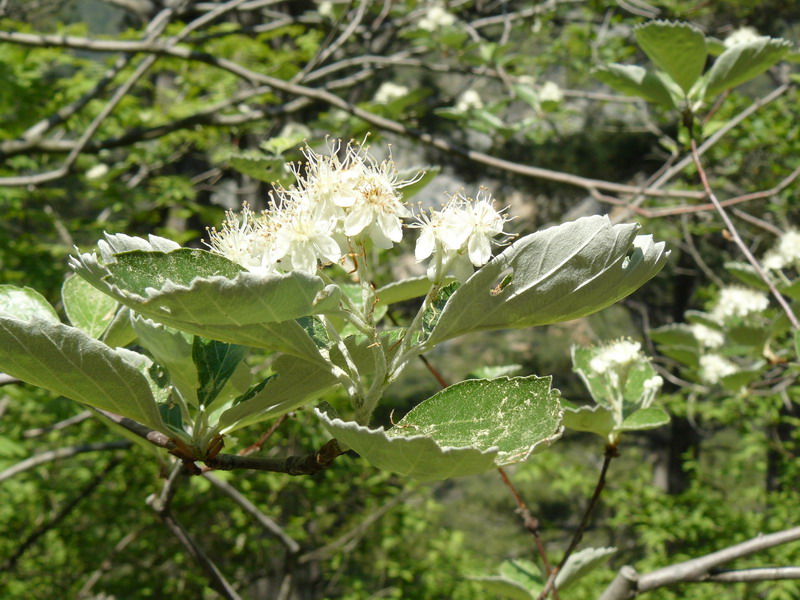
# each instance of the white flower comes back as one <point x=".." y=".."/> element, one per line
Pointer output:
<point x="706" y="336"/>
<point x="714" y="367"/>
<point x="245" y="240"/>
<point x="96" y="172"/>
<point x="303" y="235"/>
<point x="785" y="252"/>
<point x="462" y="233"/>
<point x="436" y="18"/>
<point x="620" y="353"/>
<point x="390" y="91"/>
<point x="651" y="387"/>
<point x="325" y="9"/>
<point x="735" y="301"/>
<point x="470" y="99"/>
<point x="743" y="35"/>
<point x="550" y="92"/>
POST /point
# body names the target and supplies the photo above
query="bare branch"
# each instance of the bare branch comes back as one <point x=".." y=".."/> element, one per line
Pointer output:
<point x="291" y="465"/>
<point x="61" y="453"/>
<point x="268" y="524"/>
<point x="74" y="420"/>
<point x="154" y="437"/>
<point x="740" y="243"/>
<point x="161" y="505"/>
<point x="628" y="583"/>
<point x="750" y="575"/>
<point x="6" y="379"/>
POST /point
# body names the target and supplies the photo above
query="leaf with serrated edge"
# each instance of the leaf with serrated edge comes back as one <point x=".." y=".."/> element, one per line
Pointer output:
<point x="468" y="428"/>
<point x="678" y="49"/>
<point x="215" y="363"/>
<point x="501" y="587"/>
<point x="742" y="63"/>
<point x="580" y="564"/>
<point x="298" y="382"/>
<point x="558" y="274"/>
<point x="645" y="418"/>
<point x="66" y="361"/>
<point x="87" y="308"/>
<point x="635" y="81"/>
<point x="245" y="299"/>
<point x="592" y="418"/>
<point x="25" y="304"/>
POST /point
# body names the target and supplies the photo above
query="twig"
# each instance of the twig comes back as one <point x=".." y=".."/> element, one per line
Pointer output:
<point x="749" y="575"/>
<point x="739" y="242"/>
<point x="531" y="524"/>
<point x="106" y="565"/>
<point x="161" y="505"/>
<point x="291" y="465"/>
<point x="74" y="420"/>
<point x="268" y="524"/>
<point x="61" y="453"/>
<point x="761" y="223"/>
<point x="11" y="561"/>
<point x="264" y="437"/>
<point x="611" y="452"/>
<point x="6" y="379"/>
<point x="154" y="437"/>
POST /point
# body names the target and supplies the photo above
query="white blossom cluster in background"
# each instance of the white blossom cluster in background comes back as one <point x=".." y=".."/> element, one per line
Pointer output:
<point x="435" y="18"/>
<point x="737" y="301"/>
<point x="338" y="204"/>
<point x="706" y="336"/>
<point x="615" y="361"/>
<point x="785" y="253"/>
<point x="714" y="367"/>
<point x="743" y="35"/>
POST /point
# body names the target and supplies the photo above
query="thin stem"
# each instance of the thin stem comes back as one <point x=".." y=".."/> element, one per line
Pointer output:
<point x="611" y="452"/>
<point x="531" y="523"/>
<point x="740" y="243"/>
<point x="291" y="465"/>
<point x="252" y="448"/>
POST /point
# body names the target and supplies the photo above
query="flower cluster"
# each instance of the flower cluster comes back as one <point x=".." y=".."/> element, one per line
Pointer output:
<point x="785" y="253"/>
<point x="714" y="367"/>
<point x="459" y="236"/>
<point x="337" y="202"/>
<point x="342" y="199"/>
<point x="736" y="301"/>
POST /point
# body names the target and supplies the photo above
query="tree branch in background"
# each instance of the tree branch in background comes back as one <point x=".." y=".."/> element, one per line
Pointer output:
<point x="61" y="453"/>
<point x="740" y="243"/>
<point x="29" y="541"/>
<point x="161" y="505"/>
<point x="629" y="584"/>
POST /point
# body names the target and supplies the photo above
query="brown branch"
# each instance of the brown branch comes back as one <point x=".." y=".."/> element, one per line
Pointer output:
<point x="610" y="453"/>
<point x="740" y="243"/>
<point x="161" y="505"/>
<point x="154" y="437"/>
<point x="291" y="465"/>
<point x="255" y="447"/>
<point x="51" y="523"/>
<point x="61" y="453"/>
<point x="6" y="379"/>
<point x="74" y="420"/>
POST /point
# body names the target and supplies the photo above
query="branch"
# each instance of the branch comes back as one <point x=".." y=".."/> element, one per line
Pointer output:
<point x="6" y="379"/>
<point x="739" y="242"/>
<point x="74" y="420"/>
<point x="52" y="455"/>
<point x="11" y="561"/>
<point x="610" y="453"/>
<point x="154" y="437"/>
<point x="291" y="465"/>
<point x="161" y="505"/>
<point x="268" y="524"/>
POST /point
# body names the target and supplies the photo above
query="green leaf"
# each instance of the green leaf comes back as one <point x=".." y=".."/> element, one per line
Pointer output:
<point x="298" y="382"/>
<point x="87" y="308"/>
<point x="405" y="289"/>
<point x="194" y="286"/>
<point x="500" y="587"/>
<point x="676" y="334"/>
<point x="580" y="564"/>
<point x="558" y="274"/>
<point x="797" y="343"/>
<point x="634" y="80"/>
<point x="428" y="174"/>
<point x="263" y="168"/>
<point x="678" y="49"/>
<point x="119" y="332"/>
<point x="792" y="290"/>
<point x="644" y="418"/>
<point x="173" y="350"/>
<point x="66" y="361"/>
<point x="25" y="304"/>
<point x="743" y="62"/>
<point x="593" y="418"/>
<point x="465" y="429"/>
<point x="215" y="362"/>
<point x="138" y="271"/>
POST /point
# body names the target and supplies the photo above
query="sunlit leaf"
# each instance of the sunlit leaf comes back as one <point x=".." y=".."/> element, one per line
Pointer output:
<point x="678" y="49"/>
<point x="87" y="308"/>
